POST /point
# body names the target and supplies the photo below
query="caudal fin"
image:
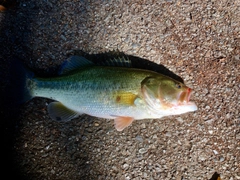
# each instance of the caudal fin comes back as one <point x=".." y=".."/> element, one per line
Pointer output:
<point x="17" y="90"/>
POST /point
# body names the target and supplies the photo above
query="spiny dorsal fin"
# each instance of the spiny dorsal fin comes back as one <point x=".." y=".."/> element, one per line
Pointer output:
<point x="117" y="62"/>
<point x="57" y="111"/>
<point x="74" y="62"/>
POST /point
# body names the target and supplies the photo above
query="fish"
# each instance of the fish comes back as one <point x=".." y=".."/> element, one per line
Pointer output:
<point x="114" y="91"/>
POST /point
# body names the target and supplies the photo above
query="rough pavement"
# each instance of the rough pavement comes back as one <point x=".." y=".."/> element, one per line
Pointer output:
<point x="197" y="40"/>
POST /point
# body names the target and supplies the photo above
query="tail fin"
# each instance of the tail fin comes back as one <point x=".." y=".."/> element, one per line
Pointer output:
<point x="17" y="90"/>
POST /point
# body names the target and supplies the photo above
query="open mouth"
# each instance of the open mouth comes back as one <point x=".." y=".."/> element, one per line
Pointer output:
<point x="184" y="97"/>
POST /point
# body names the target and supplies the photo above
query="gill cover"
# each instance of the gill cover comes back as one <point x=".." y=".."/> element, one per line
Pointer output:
<point x="164" y="92"/>
<point x="150" y="92"/>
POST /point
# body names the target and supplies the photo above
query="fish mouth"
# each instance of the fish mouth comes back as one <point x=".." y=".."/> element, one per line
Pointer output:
<point x="184" y="96"/>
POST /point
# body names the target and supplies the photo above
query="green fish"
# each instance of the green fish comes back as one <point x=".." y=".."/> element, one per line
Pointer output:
<point x="120" y="93"/>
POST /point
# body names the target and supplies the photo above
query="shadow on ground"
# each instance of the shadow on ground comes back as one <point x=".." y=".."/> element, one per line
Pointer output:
<point x="15" y="31"/>
<point x="14" y="35"/>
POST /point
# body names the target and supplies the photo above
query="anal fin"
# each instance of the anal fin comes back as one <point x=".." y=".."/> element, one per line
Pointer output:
<point x="121" y="123"/>
<point x="57" y="111"/>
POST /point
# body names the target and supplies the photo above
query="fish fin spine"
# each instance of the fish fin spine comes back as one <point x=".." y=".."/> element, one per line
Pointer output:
<point x="117" y="62"/>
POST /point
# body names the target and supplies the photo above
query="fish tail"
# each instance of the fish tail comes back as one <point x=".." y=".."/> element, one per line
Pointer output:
<point x="20" y="81"/>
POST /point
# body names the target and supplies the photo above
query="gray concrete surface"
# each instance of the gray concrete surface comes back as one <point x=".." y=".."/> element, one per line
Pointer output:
<point x="197" y="40"/>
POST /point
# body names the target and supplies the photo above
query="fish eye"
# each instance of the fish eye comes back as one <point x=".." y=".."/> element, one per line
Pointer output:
<point x="178" y="86"/>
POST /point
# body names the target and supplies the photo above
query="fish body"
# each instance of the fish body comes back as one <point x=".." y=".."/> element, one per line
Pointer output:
<point x="119" y="93"/>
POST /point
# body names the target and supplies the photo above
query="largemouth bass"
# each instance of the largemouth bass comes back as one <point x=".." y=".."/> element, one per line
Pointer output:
<point x="119" y="93"/>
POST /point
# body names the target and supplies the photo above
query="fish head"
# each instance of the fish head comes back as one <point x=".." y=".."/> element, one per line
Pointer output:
<point x="165" y="93"/>
<point x="173" y="92"/>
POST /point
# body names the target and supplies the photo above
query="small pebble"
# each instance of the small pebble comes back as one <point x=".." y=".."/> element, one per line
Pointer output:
<point x="143" y="125"/>
<point x="155" y="136"/>
<point x="125" y="166"/>
<point x="168" y="134"/>
<point x="142" y="150"/>
<point x="179" y="119"/>
<point x="52" y="171"/>
<point x="96" y="124"/>
<point x="221" y="159"/>
<point x="139" y="138"/>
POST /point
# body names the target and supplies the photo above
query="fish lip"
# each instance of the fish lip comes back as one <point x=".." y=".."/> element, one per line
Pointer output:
<point x="189" y="93"/>
<point x="184" y="97"/>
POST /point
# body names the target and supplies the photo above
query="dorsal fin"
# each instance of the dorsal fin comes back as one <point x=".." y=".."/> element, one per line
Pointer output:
<point x="76" y="62"/>
<point x="72" y="63"/>
<point x="117" y="62"/>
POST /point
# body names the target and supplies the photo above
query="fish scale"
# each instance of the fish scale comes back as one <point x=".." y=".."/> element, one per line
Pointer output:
<point x="94" y="95"/>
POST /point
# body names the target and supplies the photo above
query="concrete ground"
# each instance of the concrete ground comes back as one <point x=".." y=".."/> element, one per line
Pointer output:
<point x="197" y="40"/>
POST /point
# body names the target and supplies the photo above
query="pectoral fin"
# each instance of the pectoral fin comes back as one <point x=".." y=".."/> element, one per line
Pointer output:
<point x="121" y="123"/>
<point x="59" y="112"/>
<point x="125" y="98"/>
